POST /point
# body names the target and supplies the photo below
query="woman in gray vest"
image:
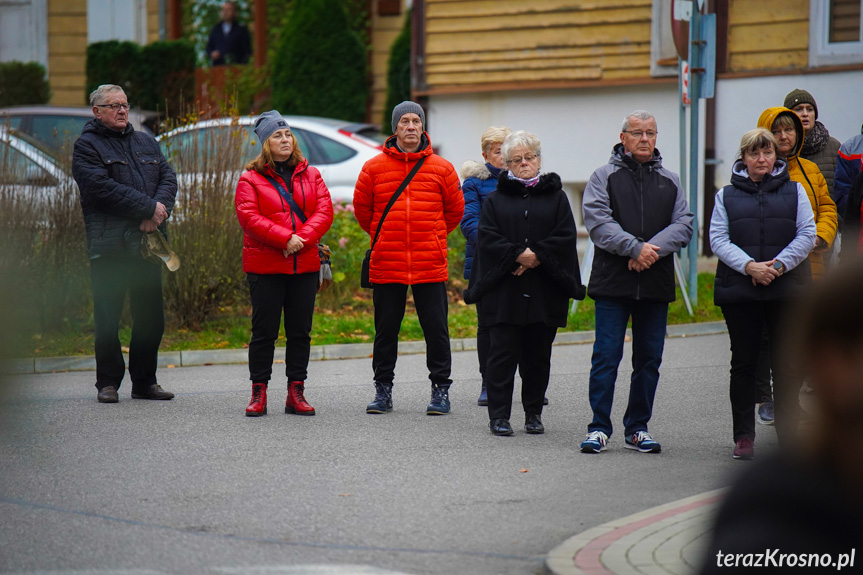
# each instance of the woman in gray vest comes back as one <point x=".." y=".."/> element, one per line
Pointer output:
<point x="762" y="230"/>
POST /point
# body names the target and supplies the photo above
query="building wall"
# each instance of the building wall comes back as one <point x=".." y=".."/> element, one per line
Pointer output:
<point x="384" y="30"/>
<point x="479" y="42"/>
<point x="768" y="35"/>
<point x="67" y="51"/>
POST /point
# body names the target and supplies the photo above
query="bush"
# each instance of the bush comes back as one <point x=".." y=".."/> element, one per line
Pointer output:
<point x="23" y="83"/>
<point x="398" y="73"/>
<point x="320" y="66"/>
<point x="167" y="76"/>
<point x="158" y="76"/>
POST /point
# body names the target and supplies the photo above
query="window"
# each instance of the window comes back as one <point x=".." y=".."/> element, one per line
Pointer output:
<point x="58" y="132"/>
<point x="835" y="32"/>
<point x="18" y="170"/>
<point x="332" y="151"/>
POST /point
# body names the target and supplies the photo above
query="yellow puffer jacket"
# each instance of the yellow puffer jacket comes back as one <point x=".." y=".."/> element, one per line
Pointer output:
<point x="807" y="173"/>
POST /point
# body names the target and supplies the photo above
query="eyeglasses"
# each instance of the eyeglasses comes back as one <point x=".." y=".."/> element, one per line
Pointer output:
<point x="114" y="107"/>
<point x="517" y="161"/>
<point x="638" y="134"/>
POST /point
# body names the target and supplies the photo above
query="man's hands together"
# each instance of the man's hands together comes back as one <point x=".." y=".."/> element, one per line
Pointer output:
<point x="649" y="255"/>
<point x="159" y="216"/>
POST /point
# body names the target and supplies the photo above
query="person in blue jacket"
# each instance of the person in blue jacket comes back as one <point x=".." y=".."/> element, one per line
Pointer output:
<point x="479" y="180"/>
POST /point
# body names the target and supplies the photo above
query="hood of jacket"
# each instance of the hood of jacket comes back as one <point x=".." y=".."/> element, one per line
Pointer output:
<point x="478" y="170"/>
<point x="547" y="184"/>
<point x="95" y="126"/>
<point x="391" y="149"/>
<point x="772" y="181"/>
<point x="619" y="157"/>
<point x="769" y="116"/>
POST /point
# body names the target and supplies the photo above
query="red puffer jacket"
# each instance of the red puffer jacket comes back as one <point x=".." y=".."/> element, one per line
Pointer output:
<point x="412" y="246"/>
<point x="268" y="223"/>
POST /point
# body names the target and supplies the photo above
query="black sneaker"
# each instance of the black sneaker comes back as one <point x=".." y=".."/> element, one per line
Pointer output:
<point x="439" y="404"/>
<point x="383" y="401"/>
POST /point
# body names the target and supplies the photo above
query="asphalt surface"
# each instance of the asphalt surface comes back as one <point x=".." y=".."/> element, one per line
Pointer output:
<point x="193" y="486"/>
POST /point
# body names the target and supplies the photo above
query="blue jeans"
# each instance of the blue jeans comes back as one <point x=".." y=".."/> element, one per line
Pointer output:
<point x="648" y="340"/>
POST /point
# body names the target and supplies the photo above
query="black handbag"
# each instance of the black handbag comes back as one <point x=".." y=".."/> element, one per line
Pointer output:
<point x="325" y="275"/>
<point x="364" y="274"/>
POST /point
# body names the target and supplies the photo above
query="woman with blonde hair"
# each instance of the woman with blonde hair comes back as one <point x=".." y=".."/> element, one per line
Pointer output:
<point x="284" y="208"/>
<point x="479" y="180"/>
<point x="762" y="231"/>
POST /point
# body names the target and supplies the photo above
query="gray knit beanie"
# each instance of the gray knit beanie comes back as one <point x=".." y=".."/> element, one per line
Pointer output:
<point x="407" y="107"/>
<point x="797" y="97"/>
<point x="269" y="122"/>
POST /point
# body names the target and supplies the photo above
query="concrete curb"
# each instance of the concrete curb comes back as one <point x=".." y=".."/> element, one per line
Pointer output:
<point x="22" y="366"/>
<point x="653" y="540"/>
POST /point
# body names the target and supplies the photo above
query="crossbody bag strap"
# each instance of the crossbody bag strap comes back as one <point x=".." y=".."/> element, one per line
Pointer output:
<point x="395" y="196"/>
<point x="287" y="197"/>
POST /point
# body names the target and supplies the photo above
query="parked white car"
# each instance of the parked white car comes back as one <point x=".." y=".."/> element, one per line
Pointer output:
<point x="24" y="164"/>
<point x="335" y="147"/>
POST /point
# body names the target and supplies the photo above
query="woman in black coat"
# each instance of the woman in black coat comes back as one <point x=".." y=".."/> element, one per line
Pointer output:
<point x="525" y="271"/>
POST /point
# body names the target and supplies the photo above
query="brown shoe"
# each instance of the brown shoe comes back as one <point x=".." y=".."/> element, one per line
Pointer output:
<point x="108" y="394"/>
<point x="155" y="391"/>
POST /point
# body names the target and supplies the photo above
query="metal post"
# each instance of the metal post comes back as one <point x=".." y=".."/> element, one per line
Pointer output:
<point x="682" y="125"/>
<point x="695" y="75"/>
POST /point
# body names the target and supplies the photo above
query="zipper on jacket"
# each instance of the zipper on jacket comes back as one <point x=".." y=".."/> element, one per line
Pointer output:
<point x="761" y="221"/>
<point x="640" y="179"/>
<point x="408" y="223"/>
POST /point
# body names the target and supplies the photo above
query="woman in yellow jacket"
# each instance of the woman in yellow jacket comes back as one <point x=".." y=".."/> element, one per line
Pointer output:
<point x="788" y="130"/>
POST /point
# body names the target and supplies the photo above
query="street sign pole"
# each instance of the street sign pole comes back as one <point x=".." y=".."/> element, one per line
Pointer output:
<point x="695" y="66"/>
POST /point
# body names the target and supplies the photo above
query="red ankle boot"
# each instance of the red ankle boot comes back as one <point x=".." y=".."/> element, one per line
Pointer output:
<point x="296" y="402"/>
<point x="258" y="405"/>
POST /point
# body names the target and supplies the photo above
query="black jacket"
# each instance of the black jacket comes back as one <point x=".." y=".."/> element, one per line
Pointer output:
<point x="235" y="48"/>
<point x="627" y="203"/>
<point x="762" y="220"/>
<point x="513" y="218"/>
<point x="121" y="176"/>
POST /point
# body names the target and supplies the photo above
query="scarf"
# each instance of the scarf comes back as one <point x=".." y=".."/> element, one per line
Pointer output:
<point x="815" y="140"/>
<point x="530" y="182"/>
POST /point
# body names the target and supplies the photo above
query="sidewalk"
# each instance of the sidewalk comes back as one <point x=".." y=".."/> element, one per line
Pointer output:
<point x="172" y="359"/>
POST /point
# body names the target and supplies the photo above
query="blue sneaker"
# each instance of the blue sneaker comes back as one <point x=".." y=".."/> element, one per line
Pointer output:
<point x="383" y="401"/>
<point x="764" y="414"/>
<point x="641" y="441"/>
<point x="596" y="442"/>
<point x="439" y="404"/>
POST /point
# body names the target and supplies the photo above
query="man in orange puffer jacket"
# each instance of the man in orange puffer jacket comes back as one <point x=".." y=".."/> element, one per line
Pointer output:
<point x="411" y="250"/>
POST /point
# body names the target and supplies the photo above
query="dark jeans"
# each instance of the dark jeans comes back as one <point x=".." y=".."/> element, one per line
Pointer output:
<point x="272" y="294"/>
<point x="529" y="348"/>
<point x="431" y="303"/>
<point x="112" y="278"/>
<point x="745" y="321"/>
<point x="483" y="344"/>
<point x="648" y="341"/>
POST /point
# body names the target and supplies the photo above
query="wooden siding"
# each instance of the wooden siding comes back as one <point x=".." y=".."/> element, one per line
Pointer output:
<point x="770" y="35"/>
<point x="67" y="51"/>
<point x="384" y="32"/>
<point x="480" y="42"/>
<point x="153" y="21"/>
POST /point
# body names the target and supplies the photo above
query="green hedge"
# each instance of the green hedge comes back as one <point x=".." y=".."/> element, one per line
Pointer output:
<point x="320" y="66"/>
<point x="23" y="83"/>
<point x="157" y="76"/>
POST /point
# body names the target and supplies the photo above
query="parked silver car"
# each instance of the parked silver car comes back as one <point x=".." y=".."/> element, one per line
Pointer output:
<point x="337" y="148"/>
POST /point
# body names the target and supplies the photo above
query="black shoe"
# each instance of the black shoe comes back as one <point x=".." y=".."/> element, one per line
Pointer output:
<point x="108" y="394"/>
<point x="483" y="396"/>
<point x="383" y="401"/>
<point x="533" y="424"/>
<point x="500" y="427"/>
<point x="155" y="391"/>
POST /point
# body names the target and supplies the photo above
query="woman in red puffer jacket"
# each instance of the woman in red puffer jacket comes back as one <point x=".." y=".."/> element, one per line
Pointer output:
<point x="280" y="256"/>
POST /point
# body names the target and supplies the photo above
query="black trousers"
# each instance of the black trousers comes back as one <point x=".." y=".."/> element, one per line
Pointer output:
<point x="271" y="295"/>
<point x="527" y="347"/>
<point x="431" y="303"/>
<point x="483" y="345"/>
<point x="745" y="322"/>
<point x="764" y="392"/>
<point x="112" y="278"/>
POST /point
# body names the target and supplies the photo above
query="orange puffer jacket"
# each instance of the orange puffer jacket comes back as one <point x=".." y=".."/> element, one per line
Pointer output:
<point x="268" y="223"/>
<point x="412" y="247"/>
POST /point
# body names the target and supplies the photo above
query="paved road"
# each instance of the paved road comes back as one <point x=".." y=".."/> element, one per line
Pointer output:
<point x="192" y="486"/>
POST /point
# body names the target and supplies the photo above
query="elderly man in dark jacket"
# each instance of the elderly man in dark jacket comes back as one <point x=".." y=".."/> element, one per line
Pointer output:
<point x="637" y="217"/>
<point x="127" y="188"/>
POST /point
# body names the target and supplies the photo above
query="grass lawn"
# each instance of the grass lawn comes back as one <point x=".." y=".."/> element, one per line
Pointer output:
<point x="351" y="324"/>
